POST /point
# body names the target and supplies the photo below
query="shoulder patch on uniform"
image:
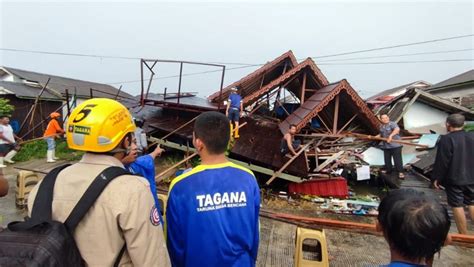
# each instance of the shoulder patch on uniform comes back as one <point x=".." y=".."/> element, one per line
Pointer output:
<point x="154" y="217"/>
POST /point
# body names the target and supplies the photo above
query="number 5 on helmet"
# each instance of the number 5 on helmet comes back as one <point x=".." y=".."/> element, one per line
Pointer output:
<point x="98" y="125"/>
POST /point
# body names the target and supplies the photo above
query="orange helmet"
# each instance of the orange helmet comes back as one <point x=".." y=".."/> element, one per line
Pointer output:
<point x="54" y="115"/>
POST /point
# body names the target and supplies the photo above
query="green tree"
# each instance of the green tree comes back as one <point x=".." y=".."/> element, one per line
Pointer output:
<point x="5" y="107"/>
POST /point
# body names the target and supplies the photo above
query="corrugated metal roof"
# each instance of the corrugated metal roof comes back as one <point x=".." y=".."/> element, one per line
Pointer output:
<point x="467" y="76"/>
<point x="22" y="90"/>
<point x="60" y="84"/>
<point x="397" y="89"/>
<point x="318" y="101"/>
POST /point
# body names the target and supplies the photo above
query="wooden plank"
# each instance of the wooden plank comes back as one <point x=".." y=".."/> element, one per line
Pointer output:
<point x="288" y="163"/>
<point x="328" y="161"/>
<point x="303" y="86"/>
<point x="371" y="137"/>
<point x="336" y="115"/>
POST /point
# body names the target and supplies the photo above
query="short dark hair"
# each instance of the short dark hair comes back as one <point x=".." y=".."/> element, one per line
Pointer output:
<point x="4" y="116"/>
<point x="292" y="125"/>
<point x="456" y="120"/>
<point x="415" y="225"/>
<point x="213" y="129"/>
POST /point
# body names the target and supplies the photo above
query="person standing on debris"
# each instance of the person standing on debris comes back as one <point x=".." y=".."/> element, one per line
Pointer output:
<point x="8" y="145"/>
<point x="390" y="131"/>
<point x="234" y="111"/>
<point x="212" y="212"/>
<point x="52" y="130"/>
<point x="288" y="143"/>
<point x="415" y="226"/>
<point x="124" y="215"/>
<point x="454" y="169"/>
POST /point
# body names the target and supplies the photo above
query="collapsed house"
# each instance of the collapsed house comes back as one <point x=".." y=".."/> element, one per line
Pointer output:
<point x="281" y="93"/>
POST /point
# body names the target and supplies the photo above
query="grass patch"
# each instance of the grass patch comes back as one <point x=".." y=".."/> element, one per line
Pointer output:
<point x="37" y="150"/>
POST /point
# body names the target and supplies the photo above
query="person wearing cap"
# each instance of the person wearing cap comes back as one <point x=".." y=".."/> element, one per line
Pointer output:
<point x="52" y="130"/>
<point x="124" y="215"/>
<point x="234" y="111"/>
<point x="8" y="145"/>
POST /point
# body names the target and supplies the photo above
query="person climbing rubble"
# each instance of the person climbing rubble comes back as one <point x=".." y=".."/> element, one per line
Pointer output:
<point x="288" y="143"/>
<point x="234" y="111"/>
<point x="51" y="133"/>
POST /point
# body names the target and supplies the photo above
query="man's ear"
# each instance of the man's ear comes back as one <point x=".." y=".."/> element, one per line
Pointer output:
<point x="448" y="241"/>
<point x="199" y="144"/>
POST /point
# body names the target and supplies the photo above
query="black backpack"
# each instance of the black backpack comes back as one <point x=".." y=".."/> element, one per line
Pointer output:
<point x="40" y="241"/>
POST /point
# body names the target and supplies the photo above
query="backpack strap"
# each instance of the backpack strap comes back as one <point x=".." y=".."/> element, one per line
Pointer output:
<point x="43" y="204"/>
<point x="91" y="195"/>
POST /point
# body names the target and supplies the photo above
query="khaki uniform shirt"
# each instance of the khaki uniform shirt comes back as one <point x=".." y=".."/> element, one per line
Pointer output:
<point x="122" y="213"/>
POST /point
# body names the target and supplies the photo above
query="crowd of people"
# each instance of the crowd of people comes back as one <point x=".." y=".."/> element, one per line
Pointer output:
<point x="212" y="215"/>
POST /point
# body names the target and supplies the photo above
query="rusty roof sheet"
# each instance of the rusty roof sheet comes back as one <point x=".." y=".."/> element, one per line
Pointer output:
<point x="308" y="63"/>
<point x="319" y="100"/>
<point x="256" y="76"/>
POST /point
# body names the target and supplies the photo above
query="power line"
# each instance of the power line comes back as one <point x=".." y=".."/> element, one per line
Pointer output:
<point x="395" y="46"/>
<point x="399" y="55"/>
<point x="231" y="63"/>
<point x="257" y="65"/>
<point x="401" y="62"/>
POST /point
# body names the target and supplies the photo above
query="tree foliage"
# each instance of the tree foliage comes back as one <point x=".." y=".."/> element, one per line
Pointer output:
<point x="5" y="107"/>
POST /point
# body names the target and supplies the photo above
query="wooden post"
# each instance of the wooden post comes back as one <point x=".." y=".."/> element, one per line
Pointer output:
<point x="303" y="149"/>
<point x="284" y="109"/>
<point x="303" y="90"/>
<point x="336" y="115"/>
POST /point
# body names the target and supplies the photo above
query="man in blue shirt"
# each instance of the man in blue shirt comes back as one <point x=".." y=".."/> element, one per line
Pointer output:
<point x="212" y="211"/>
<point x="144" y="166"/>
<point x="390" y="130"/>
<point x="234" y="111"/>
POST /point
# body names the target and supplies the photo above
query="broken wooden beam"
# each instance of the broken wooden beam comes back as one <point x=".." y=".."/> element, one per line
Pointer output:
<point x="275" y="175"/>
<point x="371" y="137"/>
<point x="328" y="161"/>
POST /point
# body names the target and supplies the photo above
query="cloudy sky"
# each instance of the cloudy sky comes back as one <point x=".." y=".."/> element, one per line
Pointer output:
<point x="239" y="32"/>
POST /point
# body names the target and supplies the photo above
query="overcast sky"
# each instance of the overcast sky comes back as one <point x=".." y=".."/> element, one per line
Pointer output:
<point x="237" y="32"/>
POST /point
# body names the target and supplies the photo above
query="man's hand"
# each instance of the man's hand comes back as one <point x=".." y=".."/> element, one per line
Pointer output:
<point x="227" y="114"/>
<point x="436" y="184"/>
<point x="158" y="150"/>
<point x="389" y="139"/>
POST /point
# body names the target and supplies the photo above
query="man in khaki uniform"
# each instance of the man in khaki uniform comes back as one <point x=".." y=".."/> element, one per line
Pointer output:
<point x="124" y="213"/>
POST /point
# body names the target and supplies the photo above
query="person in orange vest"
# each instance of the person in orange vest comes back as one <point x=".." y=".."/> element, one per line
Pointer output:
<point x="52" y="130"/>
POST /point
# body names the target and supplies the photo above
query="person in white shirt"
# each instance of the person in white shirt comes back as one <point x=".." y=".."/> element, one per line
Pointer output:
<point x="8" y="145"/>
